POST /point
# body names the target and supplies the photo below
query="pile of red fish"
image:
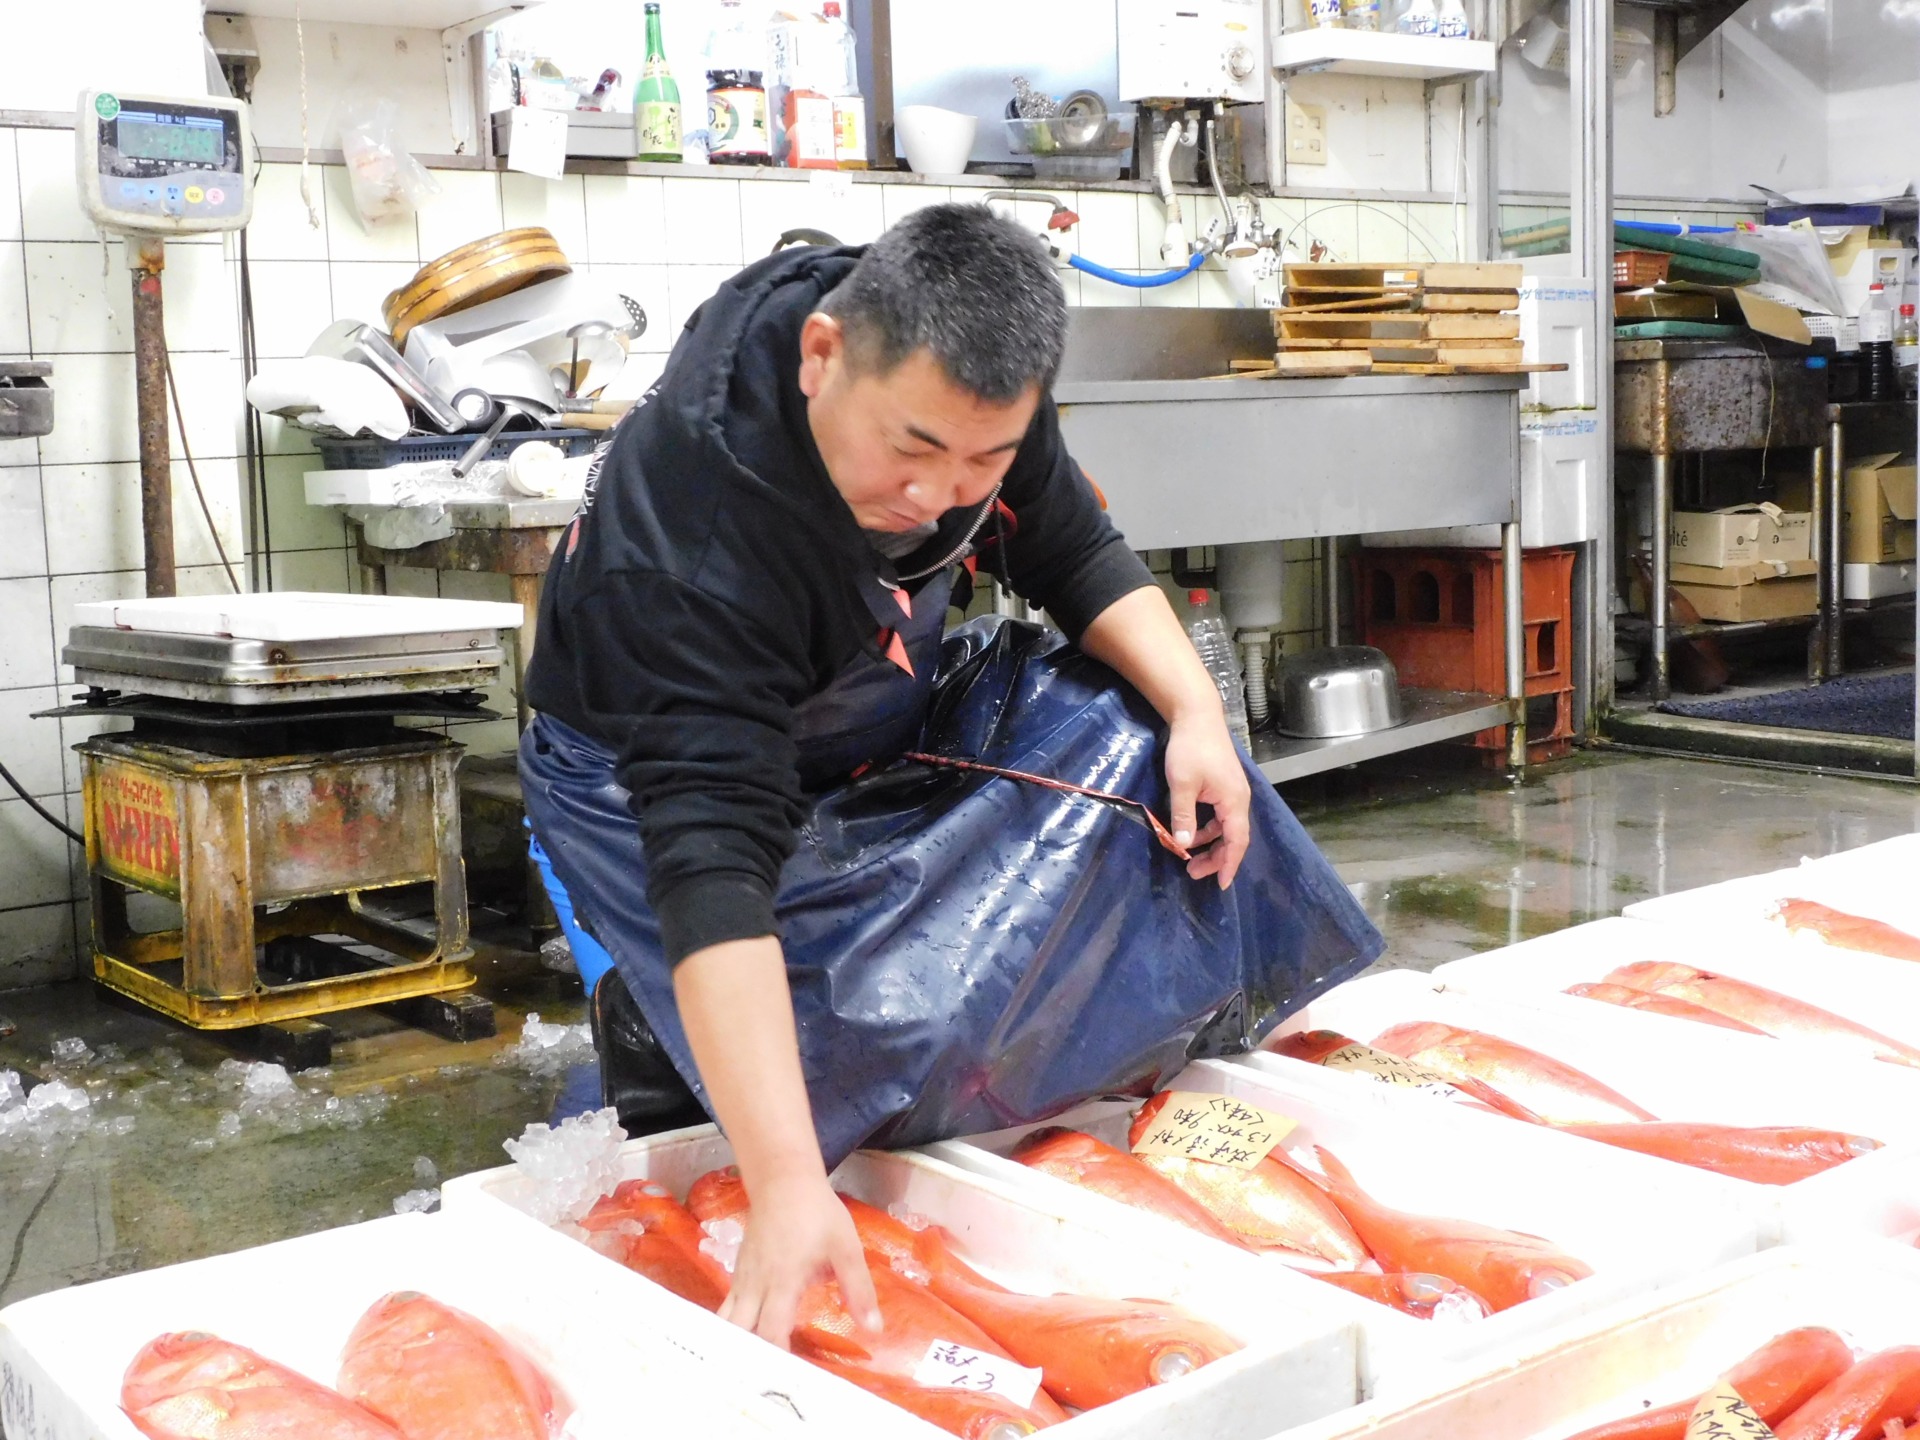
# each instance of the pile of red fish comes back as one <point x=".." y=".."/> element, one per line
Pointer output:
<point x="1428" y="1264"/>
<point x="1806" y="1385"/>
<point x="1089" y="1351"/>
<point x="414" y="1369"/>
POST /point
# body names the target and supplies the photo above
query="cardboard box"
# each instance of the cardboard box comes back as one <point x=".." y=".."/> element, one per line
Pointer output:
<point x="1740" y="535"/>
<point x="1750" y="592"/>
<point x="1880" y="505"/>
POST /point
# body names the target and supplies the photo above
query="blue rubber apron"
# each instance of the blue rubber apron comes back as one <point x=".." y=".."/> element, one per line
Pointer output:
<point x="967" y="952"/>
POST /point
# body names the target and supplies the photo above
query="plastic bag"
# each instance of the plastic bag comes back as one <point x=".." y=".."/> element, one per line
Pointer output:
<point x="388" y="183"/>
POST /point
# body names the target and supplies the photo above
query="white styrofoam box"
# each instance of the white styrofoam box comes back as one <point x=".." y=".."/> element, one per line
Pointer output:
<point x="297" y="615"/>
<point x="352" y="487"/>
<point x="1656" y="1351"/>
<point x="1871" y="582"/>
<point x="1639" y="1224"/>
<point x="1301" y="1360"/>
<point x="1556" y="320"/>
<point x="1870" y="990"/>
<point x="1679" y="1070"/>
<point x="62" y="1354"/>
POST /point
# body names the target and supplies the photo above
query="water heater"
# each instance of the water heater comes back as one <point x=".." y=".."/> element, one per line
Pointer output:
<point x="1192" y="50"/>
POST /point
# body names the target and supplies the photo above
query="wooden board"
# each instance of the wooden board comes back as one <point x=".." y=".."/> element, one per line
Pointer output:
<point x="1297" y="306"/>
<point x="1473" y="301"/>
<point x="1312" y="342"/>
<point x="1472" y="275"/>
<point x="1457" y="369"/>
<point x="1321" y="362"/>
<point x="1350" y="327"/>
<point x="1356" y="276"/>
<point x="1473" y="327"/>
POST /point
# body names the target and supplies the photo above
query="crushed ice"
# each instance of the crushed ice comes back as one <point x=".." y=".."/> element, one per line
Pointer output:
<point x="417" y="1202"/>
<point x="72" y="1051"/>
<point x="570" y="1166"/>
<point x="722" y="1241"/>
<point x="548" y="1049"/>
<point x="425" y="1171"/>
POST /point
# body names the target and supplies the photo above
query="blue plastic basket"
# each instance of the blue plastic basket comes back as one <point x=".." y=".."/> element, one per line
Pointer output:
<point x="370" y="452"/>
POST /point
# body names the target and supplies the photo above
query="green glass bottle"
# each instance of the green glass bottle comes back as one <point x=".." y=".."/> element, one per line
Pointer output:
<point x="656" y="100"/>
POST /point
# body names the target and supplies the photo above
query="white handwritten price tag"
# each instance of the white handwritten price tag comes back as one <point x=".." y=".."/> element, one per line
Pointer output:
<point x="958" y="1367"/>
<point x="1723" y="1415"/>
<point x="1388" y="1069"/>
<point x="1218" y="1128"/>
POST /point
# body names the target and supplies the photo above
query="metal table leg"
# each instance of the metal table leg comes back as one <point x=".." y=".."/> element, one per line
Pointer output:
<point x="1834" y="589"/>
<point x="1330" y="585"/>
<point x="526" y="593"/>
<point x="1825" y="559"/>
<point x="1512" y="592"/>
<point x="1658" y="608"/>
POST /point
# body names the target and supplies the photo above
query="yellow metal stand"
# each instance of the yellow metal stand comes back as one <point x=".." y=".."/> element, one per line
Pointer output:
<point x="254" y="850"/>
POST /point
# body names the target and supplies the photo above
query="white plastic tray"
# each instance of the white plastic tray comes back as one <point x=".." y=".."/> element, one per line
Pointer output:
<point x="298" y="615"/>
<point x="1873" y="880"/>
<point x="1638" y="1223"/>
<point x="1657" y="1351"/>
<point x="1302" y="1355"/>
<point x="1870" y="990"/>
<point x="62" y="1354"/>
<point x="1679" y="1070"/>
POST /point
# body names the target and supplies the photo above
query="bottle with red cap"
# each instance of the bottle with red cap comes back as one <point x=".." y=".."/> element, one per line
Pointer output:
<point x="1208" y="629"/>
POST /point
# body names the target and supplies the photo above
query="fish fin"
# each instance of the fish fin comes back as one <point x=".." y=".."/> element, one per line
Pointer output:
<point x="1487" y="1095"/>
<point x="1337" y="1177"/>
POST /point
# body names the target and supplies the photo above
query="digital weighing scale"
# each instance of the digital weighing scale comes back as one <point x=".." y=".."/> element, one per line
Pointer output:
<point x="268" y="791"/>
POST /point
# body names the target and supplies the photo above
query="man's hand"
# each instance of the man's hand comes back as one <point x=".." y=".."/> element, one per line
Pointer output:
<point x="1203" y="768"/>
<point x="797" y="1232"/>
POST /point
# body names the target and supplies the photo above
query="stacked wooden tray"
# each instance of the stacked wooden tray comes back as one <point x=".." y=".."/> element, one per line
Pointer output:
<point x="1436" y="319"/>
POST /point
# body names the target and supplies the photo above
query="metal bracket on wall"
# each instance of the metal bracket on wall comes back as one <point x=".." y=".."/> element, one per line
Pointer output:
<point x="1679" y="28"/>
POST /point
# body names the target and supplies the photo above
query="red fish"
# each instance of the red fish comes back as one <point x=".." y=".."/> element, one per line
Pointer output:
<point x="193" y="1386"/>
<point x="1766" y="1155"/>
<point x="1271" y="1206"/>
<point x="1862" y="1401"/>
<point x="1090" y="1351"/>
<point x="1502" y="1266"/>
<point x="1775" y="1381"/>
<point x="1653" y="1004"/>
<point x="1554" y="1092"/>
<point x="437" y="1373"/>
<point x="1084" y="1161"/>
<point x="1849" y="932"/>
<point x="1779" y="1015"/>
<point x="966" y="1413"/>
<point x="643" y="1227"/>
<point x="1334" y="1050"/>
<point x="1421" y="1296"/>
<point x="913" y="1317"/>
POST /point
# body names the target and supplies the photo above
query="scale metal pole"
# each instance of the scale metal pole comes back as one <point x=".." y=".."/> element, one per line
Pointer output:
<point x="146" y="258"/>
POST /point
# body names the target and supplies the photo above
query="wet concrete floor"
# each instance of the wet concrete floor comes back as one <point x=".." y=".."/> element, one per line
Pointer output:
<point x="1447" y="861"/>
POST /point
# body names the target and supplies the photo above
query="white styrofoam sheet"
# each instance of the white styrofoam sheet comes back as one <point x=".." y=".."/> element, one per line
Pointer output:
<point x="62" y="1354"/>
<point x="1679" y="1070"/>
<point x="1871" y="880"/>
<point x="298" y="615"/>
<point x="1302" y="1345"/>
<point x="1638" y="1223"/>
<point x="1870" y="990"/>
<point x="1656" y="1350"/>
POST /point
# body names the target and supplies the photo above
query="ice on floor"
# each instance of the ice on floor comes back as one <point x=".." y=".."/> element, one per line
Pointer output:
<point x="72" y="1051"/>
<point x="425" y="1171"/>
<point x="548" y="1049"/>
<point x="571" y="1165"/>
<point x="421" y="1202"/>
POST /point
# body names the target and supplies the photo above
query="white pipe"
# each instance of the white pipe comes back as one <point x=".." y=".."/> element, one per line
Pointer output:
<point x="1253" y="664"/>
<point x="1173" y="245"/>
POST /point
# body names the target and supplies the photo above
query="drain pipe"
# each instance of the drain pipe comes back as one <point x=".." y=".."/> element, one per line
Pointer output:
<point x="1173" y="245"/>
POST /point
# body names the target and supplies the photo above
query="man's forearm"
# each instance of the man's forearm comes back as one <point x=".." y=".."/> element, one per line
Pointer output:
<point x="738" y="1015"/>
<point x="1140" y="636"/>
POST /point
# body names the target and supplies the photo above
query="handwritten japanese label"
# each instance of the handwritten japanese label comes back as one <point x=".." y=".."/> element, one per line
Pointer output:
<point x="1723" y="1415"/>
<point x="1217" y="1128"/>
<point x="1389" y="1069"/>
<point x="953" y="1366"/>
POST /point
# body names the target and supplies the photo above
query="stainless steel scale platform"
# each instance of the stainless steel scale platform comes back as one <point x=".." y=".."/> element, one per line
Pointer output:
<point x="266" y="791"/>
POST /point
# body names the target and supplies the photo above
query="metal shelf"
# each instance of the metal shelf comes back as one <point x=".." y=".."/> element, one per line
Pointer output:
<point x="466" y="15"/>
<point x="1369" y="52"/>
<point x="1431" y="716"/>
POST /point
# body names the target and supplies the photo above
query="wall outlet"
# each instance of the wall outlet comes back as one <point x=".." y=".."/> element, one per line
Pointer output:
<point x="1306" y="133"/>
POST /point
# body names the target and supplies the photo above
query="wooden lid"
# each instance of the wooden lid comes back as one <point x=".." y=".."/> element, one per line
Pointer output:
<point x="477" y="272"/>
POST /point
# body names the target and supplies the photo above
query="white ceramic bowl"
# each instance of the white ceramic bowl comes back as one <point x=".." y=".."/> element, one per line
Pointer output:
<point x="937" y="142"/>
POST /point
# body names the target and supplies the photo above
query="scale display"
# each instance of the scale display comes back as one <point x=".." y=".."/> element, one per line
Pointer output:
<point x="153" y="165"/>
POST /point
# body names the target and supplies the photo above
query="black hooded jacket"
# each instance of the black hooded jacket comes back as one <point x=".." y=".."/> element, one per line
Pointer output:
<point x="710" y="586"/>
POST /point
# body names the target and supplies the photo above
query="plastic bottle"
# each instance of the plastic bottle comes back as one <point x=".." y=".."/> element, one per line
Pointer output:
<point x="1876" y="344"/>
<point x="1906" y="344"/>
<point x="1208" y="629"/>
<point x="849" y="107"/>
<point x="737" y="132"/>
<point x="1419" y="18"/>
<point x="1454" y="24"/>
<point x="1327" y="14"/>
<point x="1361" y="14"/>
<point x="656" y="100"/>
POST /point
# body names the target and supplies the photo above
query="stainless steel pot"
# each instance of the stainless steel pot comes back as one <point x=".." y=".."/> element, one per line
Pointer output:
<point x="1346" y="690"/>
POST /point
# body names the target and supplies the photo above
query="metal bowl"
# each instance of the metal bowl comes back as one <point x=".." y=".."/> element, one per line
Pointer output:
<point x="1346" y="690"/>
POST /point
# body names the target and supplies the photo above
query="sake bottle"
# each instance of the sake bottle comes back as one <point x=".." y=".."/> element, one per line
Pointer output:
<point x="656" y="99"/>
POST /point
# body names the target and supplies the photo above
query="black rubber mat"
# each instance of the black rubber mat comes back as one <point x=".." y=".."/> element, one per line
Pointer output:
<point x="1854" y="705"/>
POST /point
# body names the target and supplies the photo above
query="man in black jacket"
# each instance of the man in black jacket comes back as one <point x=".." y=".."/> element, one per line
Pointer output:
<point x="749" y="611"/>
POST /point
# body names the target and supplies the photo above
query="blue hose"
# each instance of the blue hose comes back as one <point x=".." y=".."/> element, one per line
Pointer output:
<point x="1657" y="227"/>
<point x="1138" y="282"/>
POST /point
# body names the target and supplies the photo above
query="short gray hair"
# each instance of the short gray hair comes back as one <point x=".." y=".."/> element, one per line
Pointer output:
<point x="975" y="291"/>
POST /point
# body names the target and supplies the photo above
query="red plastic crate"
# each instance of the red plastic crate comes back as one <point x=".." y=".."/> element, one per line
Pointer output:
<point x="1440" y="617"/>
